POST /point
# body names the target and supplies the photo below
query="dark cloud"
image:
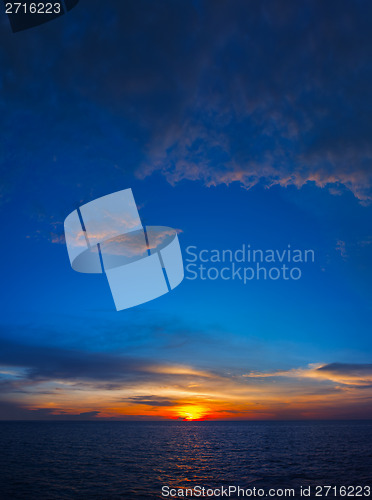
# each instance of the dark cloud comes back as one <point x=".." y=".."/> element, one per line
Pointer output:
<point x="270" y="93"/>
<point x="150" y="401"/>
<point x="353" y="369"/>
<point x="10" y="410"/>
<point x="49" y="362"/>
<point x="106" y="370"/>
<point x="281" y="99"/>
<point x="146" y="334"/>
<point x="33" y="365"/>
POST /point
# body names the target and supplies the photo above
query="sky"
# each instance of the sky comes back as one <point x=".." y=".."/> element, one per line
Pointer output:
<point x="236" y="123"/>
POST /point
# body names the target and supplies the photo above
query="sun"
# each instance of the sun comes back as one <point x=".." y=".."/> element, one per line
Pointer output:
<point x="191" y="412"/>
<point x="190" y="416"/>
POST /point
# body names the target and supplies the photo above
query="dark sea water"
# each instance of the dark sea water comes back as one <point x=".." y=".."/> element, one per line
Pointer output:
<point x="133" y="460"/>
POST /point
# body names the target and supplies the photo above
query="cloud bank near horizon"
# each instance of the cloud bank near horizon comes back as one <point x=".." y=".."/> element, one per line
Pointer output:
<point x="53" y="382"/>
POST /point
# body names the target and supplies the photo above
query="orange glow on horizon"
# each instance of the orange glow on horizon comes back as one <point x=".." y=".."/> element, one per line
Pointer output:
<point x="180" y="392"/>
<point x="192" y="412"/>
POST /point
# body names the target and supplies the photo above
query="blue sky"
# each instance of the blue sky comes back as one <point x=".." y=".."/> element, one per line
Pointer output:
<point x="236" y="125"/>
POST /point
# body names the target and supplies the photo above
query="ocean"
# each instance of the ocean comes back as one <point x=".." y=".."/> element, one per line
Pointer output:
<point x="135" y="460"/>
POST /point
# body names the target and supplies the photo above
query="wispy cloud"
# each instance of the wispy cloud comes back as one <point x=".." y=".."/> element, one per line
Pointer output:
<point x="342" y="373"/>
